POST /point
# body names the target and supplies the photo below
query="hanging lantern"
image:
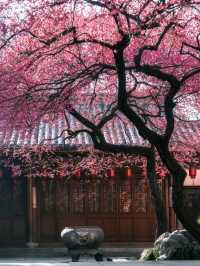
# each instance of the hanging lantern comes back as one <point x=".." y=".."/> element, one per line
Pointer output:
<point x="78" y="173"/>
<point x="192" y="171"/>
<point x="111" y="172"/>
<point x="1" y="173"/>
<point x="61" y="176"/>
<point x="93" y="172"/>
<point x="145" y="188"/>
<point x="128" y="172"/>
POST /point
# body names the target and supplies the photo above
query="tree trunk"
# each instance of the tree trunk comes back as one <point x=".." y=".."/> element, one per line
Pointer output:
<point x="188" y="216"/>
<point x="154" y="188"/>
<point x="157" y="197"/>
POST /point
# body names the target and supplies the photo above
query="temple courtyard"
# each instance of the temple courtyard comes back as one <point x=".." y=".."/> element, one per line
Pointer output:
<point x="86" y="261"/>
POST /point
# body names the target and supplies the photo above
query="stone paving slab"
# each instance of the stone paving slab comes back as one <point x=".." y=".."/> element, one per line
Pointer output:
<point x="90" y="262"/>
<point x="138" y="263"/>
<point x="53" y="252"/>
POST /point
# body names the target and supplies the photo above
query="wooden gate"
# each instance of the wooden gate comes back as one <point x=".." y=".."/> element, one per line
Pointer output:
<point x="12" y="211"/>
<point x="122" y="208"/>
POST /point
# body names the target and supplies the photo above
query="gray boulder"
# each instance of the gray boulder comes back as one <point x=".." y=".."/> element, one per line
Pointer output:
<point x="147" y="254"/>
<point x="176" y="245"/>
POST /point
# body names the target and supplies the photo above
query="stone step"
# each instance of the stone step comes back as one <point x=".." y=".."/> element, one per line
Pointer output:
<point x="40" y="252"/>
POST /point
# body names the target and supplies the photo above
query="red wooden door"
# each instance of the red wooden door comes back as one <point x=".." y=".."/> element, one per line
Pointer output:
<point x="122" y="208"/>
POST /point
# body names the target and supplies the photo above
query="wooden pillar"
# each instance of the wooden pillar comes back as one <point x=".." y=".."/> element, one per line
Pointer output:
<point x="32" y="214"/>
<point x="167" y="207"/>
<point x="172" y="224"/>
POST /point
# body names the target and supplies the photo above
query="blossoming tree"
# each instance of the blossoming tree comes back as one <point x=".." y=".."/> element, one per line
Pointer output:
<point x="140" y="59"/>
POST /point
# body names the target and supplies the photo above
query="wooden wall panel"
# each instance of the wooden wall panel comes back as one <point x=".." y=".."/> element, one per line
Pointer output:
<point x="122" y="208"/>
<point x="13" y="212"/>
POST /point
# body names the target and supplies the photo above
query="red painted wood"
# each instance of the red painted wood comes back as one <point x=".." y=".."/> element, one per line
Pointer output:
<point x="122" y="208"/>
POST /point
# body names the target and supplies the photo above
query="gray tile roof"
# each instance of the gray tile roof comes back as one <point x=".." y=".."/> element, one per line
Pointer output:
<point x="116" y="133"/>
<point x="49" y="134"/>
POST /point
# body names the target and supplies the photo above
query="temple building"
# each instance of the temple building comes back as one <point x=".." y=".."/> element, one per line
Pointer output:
<point x="35" y="209"/>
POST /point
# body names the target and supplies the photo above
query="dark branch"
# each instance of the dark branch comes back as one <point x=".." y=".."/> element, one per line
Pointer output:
<point x="154" y="71"/>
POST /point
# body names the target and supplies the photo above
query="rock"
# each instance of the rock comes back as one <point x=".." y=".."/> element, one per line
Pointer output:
<point x="196" y="251"/>
<point x="147" y="254"/>
<point x="159" y="240"/>
<point x="176" y="245"/>
<point x="187" y="235"/>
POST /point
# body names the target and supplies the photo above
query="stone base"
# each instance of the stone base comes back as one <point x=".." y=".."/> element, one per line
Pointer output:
<point x="76" y="253"/>
<point x="32" y="244"/>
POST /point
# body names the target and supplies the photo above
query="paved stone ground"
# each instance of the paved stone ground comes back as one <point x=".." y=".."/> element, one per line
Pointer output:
<point x="87" y="261"/>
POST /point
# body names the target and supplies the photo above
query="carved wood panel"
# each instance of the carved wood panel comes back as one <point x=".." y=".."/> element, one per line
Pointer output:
<point x="112" y="205"/>
<point x="125" y="197"/>
<point x="140" y="199"/>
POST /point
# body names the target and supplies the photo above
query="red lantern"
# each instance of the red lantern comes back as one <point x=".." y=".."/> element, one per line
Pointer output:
<point x="128" y="172"/>
<point x="145" y="187"/>
<point x="111" y="172"/>
<point x="192" y="171"/>
<point x="78" y="173"/>
<point x="93" y="172"/>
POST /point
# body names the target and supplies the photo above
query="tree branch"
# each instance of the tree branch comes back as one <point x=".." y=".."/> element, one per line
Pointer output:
<point x="190" y="74"/>
<point x="143" y="130"/>
<point x="154" y="71"/>
<point x="100" y="142"/>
